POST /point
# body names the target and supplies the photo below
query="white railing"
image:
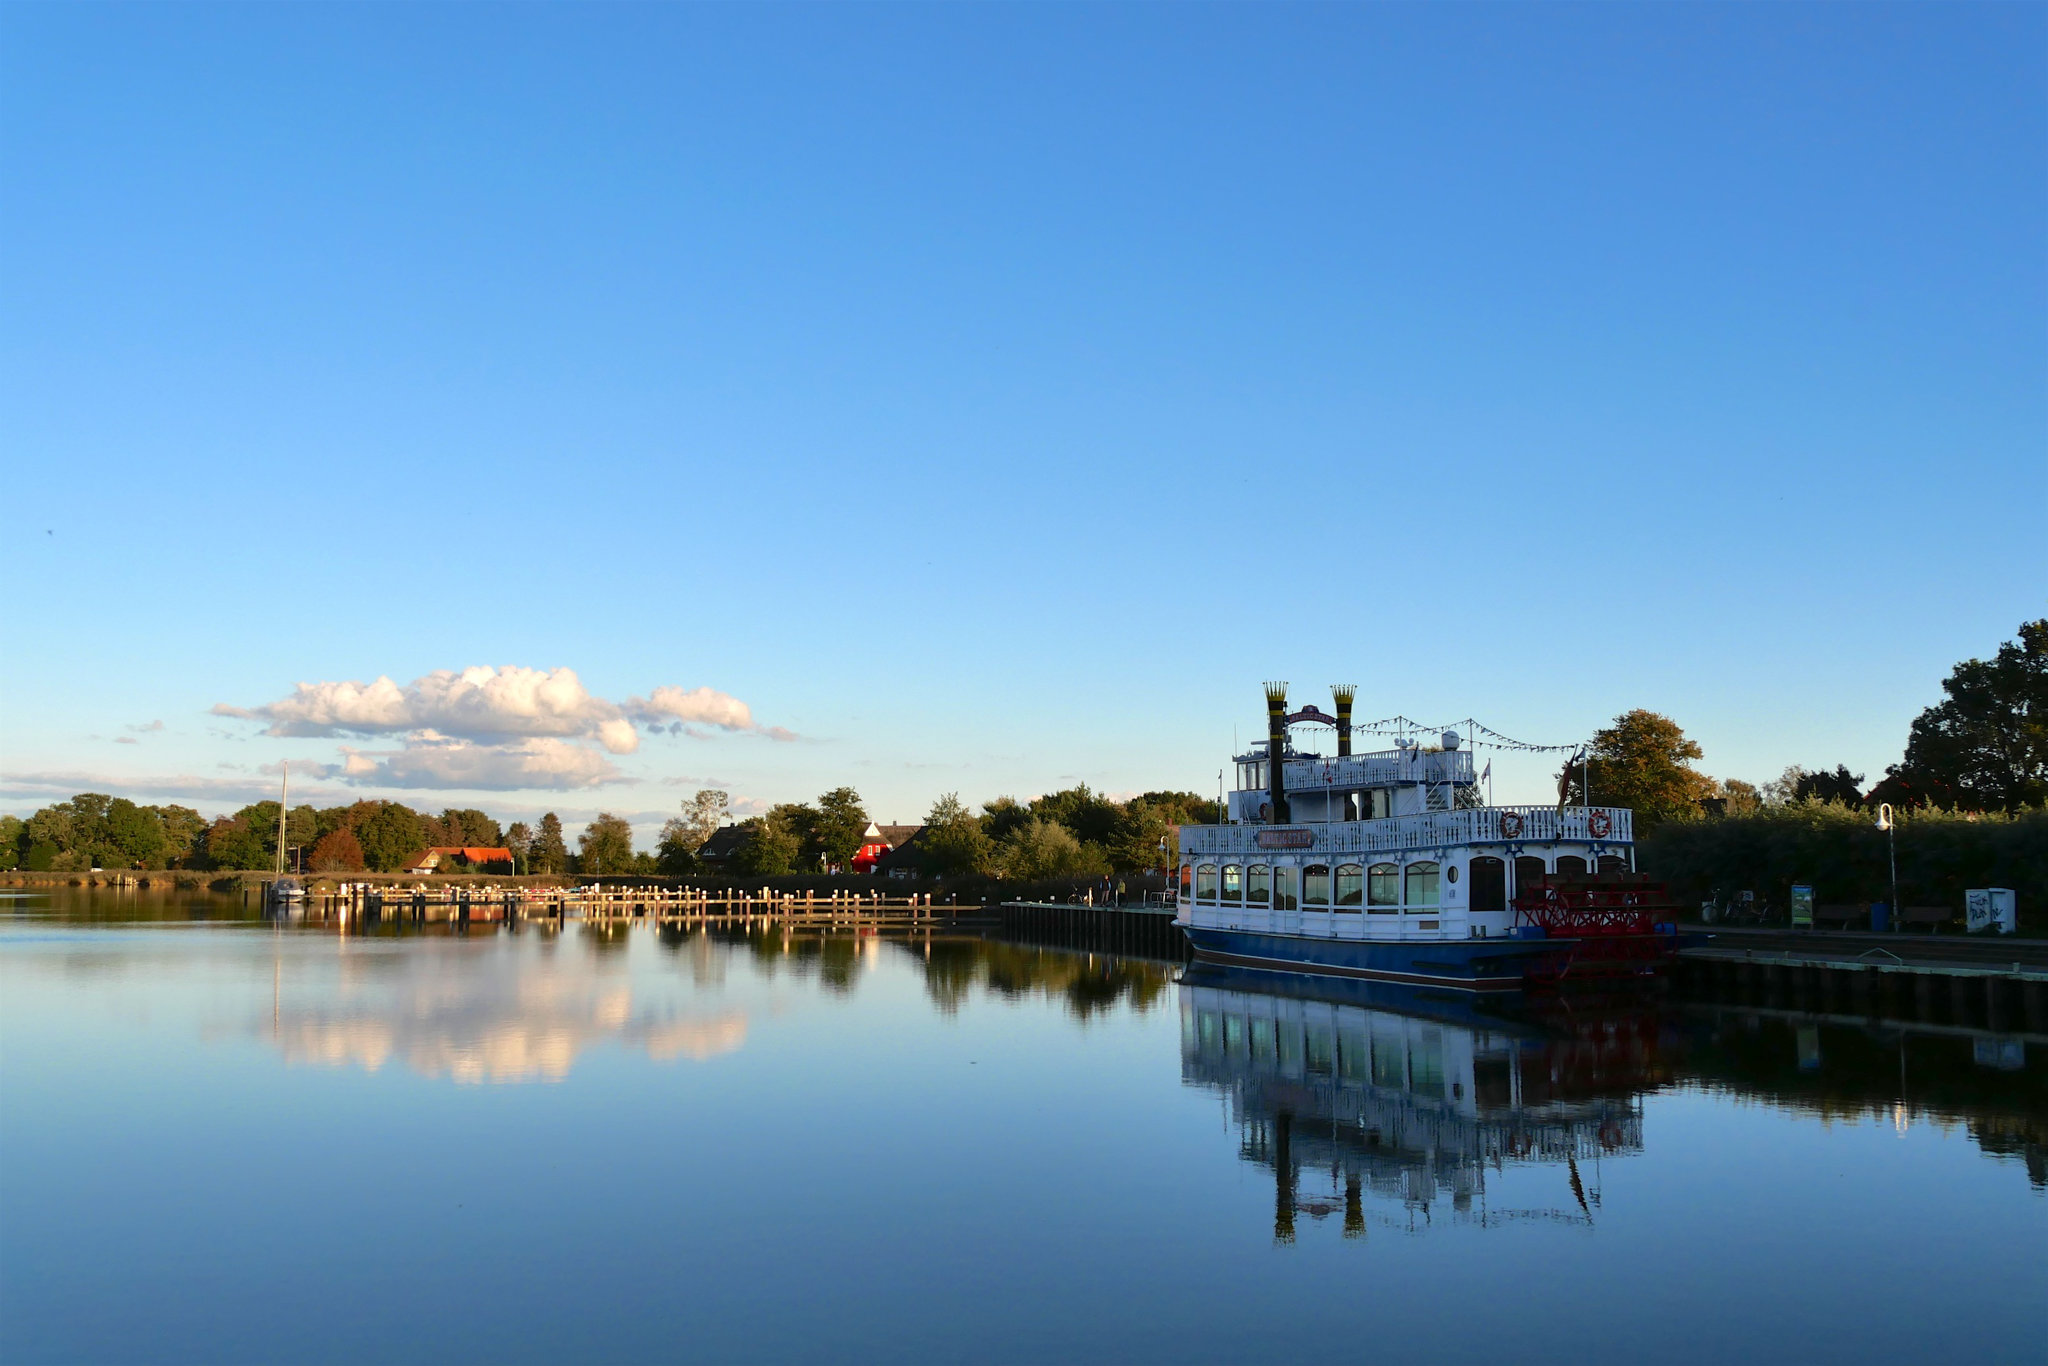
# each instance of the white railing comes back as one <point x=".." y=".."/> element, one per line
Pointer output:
<point x="1384" y="768"/>
<point x="1501" y="825"/>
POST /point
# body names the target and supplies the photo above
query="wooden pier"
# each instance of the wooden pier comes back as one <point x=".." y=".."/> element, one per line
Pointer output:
<point x="608" y="904"/>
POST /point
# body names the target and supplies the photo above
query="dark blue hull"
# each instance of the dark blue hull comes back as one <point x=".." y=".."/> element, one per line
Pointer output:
<point x="1469" y="964"/>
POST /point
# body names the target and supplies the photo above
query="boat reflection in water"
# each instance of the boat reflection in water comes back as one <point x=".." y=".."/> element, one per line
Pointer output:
<point x="1414" y="1101"/>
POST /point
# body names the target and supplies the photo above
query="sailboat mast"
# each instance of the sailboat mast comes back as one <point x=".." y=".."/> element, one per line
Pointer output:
<point x="284" y="800"/>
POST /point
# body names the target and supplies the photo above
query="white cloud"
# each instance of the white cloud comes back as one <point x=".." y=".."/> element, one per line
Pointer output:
<point x="430" y="760"/>
<point x="491" y="705"/>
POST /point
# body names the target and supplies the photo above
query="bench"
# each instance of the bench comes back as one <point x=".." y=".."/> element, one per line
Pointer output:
<point x="1933" y="917"/>
<point x="1841" y="917"/>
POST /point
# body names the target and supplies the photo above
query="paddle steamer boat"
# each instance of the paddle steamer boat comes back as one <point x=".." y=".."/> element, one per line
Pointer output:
<point x="1385" y="865"/>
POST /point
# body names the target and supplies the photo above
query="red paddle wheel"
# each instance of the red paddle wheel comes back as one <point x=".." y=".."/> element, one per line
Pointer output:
<point x="1613" y="919"/>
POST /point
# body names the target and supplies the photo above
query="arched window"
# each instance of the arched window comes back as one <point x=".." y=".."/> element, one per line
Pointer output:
<point x="1258" y="884"/>
<point x="1489" y="884"/>
<point x="1421" y="889"/>
<point x="1529" y="872"/>
<point x="1283" y="889"/>
<point x="1315" y="886"/>
<point x="1233" y="882"/>
<point x="1187" y="877"/>
<point x="1383" y="887"/>
<point x="1614" y="863"/>
<point x="1571" y="865"/>
<point x="1205" y="882"/>
<point x="1350" y="887"/>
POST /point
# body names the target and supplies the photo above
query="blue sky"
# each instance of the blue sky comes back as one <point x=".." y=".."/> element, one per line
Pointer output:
<point x="990" y="398"/>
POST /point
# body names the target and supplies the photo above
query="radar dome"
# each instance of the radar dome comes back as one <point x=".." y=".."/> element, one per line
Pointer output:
<point x="1451" y="739"/>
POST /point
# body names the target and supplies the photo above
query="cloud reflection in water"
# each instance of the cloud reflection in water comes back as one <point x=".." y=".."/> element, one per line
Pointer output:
<point x="492" y="1018"/>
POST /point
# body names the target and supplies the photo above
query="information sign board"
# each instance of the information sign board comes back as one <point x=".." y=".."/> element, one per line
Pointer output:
<point x="1802" y="907"/>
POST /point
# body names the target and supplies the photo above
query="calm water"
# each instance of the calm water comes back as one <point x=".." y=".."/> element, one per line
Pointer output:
<point x="229" y="1142"/>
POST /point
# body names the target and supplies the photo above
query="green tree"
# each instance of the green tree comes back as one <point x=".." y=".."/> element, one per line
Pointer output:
<point x="1984" y="747"/>
<point x="519" y="839"/>
<point x="467" y="827"/>
<point x="1001" y="817"/>
<point x="136" y="834"/>
<point x="1644" y="762"/>
<point x="1091" y="817"/>
<point x="606" y="845"/>
<point x="230" y="843"/>
<point x="771" y="849"/>
<point x="1042" y="849"/>
<point x="184" y="835"/>
<point x="12" y="843"/>
<point x="952" y="843"/>
<point x="390" y="835"/>
<point x="675" y="853"/>
<point x="337" y="851"/>
<point x="550" y="852"/>
<point x="841" y="823"/>
<point x="1819" y="785"/>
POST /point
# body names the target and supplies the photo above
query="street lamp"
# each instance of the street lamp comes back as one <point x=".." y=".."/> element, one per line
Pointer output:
<point x="1891" y="840"/>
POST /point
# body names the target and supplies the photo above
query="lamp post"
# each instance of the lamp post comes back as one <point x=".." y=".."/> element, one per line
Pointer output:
<point x="1891" y="840"/>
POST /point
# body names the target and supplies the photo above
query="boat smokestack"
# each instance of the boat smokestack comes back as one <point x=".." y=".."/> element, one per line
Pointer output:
<point x="1343" y="692"/>
<point x="1276" y="749"/>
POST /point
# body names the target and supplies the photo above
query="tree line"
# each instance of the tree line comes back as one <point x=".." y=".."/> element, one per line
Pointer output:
<point x="1982" y="749"/>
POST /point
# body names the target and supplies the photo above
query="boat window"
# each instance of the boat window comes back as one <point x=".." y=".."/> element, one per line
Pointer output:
<point x="1383" y="887"/>
<point x="1322" y="1051"/>
<point x="1528" y="875"/>
<point x="1350" y="886"/>
<point x="1613" y="863"/>
<point x="1571" y="865"/>
<point x="1290" y="1050"/>
<point x="1283" y="889"/>
<point x="1426" y="1065"/>
<point x="1205" y="882"/>
<point x="1489" y="884"/>
<point x="1258" y="884"/>
<point x="1354" y="1057"/>
<point x="1233" y="882"/>
<point x="1264" y="1049"/>
<point x="1187" y="873"/>
<point x="1315" y="885"/>
<point x="1389" y="1060"/>
<point x="1421" y="887"/>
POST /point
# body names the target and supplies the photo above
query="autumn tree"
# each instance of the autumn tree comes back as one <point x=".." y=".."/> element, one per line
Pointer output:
<point x="337" y="851"/>
<point x="1644" y="762"/>
<point x="1984" y="747"/>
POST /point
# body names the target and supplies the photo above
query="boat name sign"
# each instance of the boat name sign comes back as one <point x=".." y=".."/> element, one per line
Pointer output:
<point x="1287" y="839"/>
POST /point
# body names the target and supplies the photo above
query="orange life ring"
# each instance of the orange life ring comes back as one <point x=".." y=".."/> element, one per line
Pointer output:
<point x="1598" y="825"/>
<point x="1510" y="824"/>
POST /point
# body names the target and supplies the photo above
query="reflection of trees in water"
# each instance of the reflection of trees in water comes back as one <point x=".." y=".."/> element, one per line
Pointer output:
<point x="1088" y="984"/>
<point x="834" y="959"/>
<point x="1997" y="1088"/>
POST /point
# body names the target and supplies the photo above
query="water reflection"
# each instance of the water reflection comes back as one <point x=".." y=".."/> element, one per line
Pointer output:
<point x="1412" y="1102"/>
<point x="1411" y="1106"/>
<point x="491" y="1016"/>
